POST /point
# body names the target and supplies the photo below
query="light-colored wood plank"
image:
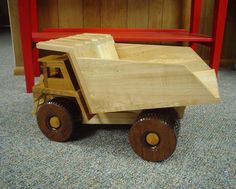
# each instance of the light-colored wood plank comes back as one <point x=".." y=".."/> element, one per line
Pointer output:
<point x="15" y="34"/>
<point x="92" y="13"/>
<point x="114" y="14"/>
<point x="48" y="14"/>
<point x="114" y="118"/>
<point x="121" y="117"/>
<point x="137" y="14"/>
<point x="162" y="54"/>
<point x="208" y="77"/>
<point x="103" y="44"/>
<point x="18" y="70"/>
<point x="84" y="45"/>
<point x="123" y="85"/>
<point x="70" y="13"/>
<point x="155" y="14"/>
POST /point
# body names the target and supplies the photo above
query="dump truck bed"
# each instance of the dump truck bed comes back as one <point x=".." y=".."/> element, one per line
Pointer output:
<point x="122" y="77"/>
<point x="162" y="54"/>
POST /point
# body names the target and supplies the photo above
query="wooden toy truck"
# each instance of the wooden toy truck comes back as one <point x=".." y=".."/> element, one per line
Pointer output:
<point x="97" y="81"/>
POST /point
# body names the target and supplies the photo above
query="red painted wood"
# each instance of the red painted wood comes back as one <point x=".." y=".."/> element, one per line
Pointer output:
<point x="220" y="12"/>
<point x="97" y="30"/>
<point x="26" y="41"/>
<point x="35" y="63"/>
<point x="34" y="28"/>
<point x="34" y="15"/>
<point x="29" y="34"/>
<point x="195" y="19"/>
<point x="131" y="36"/>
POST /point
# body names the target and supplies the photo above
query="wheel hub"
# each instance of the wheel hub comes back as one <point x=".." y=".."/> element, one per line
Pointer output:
<point x="152" y="139"/>
<point x="54" y="122"/>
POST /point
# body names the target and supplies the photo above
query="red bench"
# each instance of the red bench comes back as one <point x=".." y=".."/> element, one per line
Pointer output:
<point x="28" y="20"/>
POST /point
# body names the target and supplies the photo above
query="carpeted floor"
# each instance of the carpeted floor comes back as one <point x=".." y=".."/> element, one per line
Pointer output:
<point x="101" y="157"/>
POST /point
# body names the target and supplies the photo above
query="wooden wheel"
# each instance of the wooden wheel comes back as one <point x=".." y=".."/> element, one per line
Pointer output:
<point x="71" y="106"/>
<point x="153" y="135"/>
<point x="55" y="120"/>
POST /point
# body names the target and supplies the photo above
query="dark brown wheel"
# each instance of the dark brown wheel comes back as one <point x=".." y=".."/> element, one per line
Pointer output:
<point x="71" y="105"/>
<point x="55" y="120"/>
<point x="153" y="135"/>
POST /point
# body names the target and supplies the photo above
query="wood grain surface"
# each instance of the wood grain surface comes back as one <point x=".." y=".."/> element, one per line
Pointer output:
<point x="128" y="85"/>
<point x="70" y="13"/>
<point x="123" y="13"/>
<point x="143" y="77"/>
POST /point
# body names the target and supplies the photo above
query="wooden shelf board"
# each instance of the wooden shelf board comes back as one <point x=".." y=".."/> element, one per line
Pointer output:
<point x="141" y="35"/>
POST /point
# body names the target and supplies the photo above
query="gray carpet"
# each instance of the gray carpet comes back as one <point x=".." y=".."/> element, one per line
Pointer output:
<point x="101" y="157"/>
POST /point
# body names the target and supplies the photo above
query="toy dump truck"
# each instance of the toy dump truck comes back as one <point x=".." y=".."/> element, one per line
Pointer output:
<point x="97" y="81"/>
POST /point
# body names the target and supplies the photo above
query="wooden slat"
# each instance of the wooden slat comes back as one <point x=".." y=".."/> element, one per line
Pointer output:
<point x="92" y="13"/>
<point x="155" y="14"/>
<point x="114" y="14"/>
<point x="131" y="36"/>
<point x="114" y="118"/>
<point x="48" y="13"/>
<point x="185" y="13"/>
<point x="206" y="26"/>
<point x="102" y="44"/>
<point x="171" y="14"/>
<point x="137" y="14"/>
<point x="15" y="34"/>
<point x="77" y="48"/>
<point x="70" y="13"/>
<point x="54" y="47"/>
<point x="123" y="85"/>
<point x="127" y="117"/>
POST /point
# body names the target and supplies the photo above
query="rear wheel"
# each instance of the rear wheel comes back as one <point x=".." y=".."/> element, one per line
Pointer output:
<point x="153" y="136"/>
<point x="56" y="119"/>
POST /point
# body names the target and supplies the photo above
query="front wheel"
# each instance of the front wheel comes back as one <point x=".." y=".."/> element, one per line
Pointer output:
<point x="153" y="135"/>
<point x="55" y="120"/>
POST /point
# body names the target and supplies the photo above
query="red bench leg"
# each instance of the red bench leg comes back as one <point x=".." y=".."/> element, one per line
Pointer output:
<point x="34" y="28"/>
<point x="195" y="19"/>
<point x="26" y="41"/>
<point x="220" y="12"/>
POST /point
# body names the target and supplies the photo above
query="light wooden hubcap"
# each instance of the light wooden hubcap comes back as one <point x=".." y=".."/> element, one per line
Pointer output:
<point x="152" y="139"/>
<point x="54" y="122"/>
